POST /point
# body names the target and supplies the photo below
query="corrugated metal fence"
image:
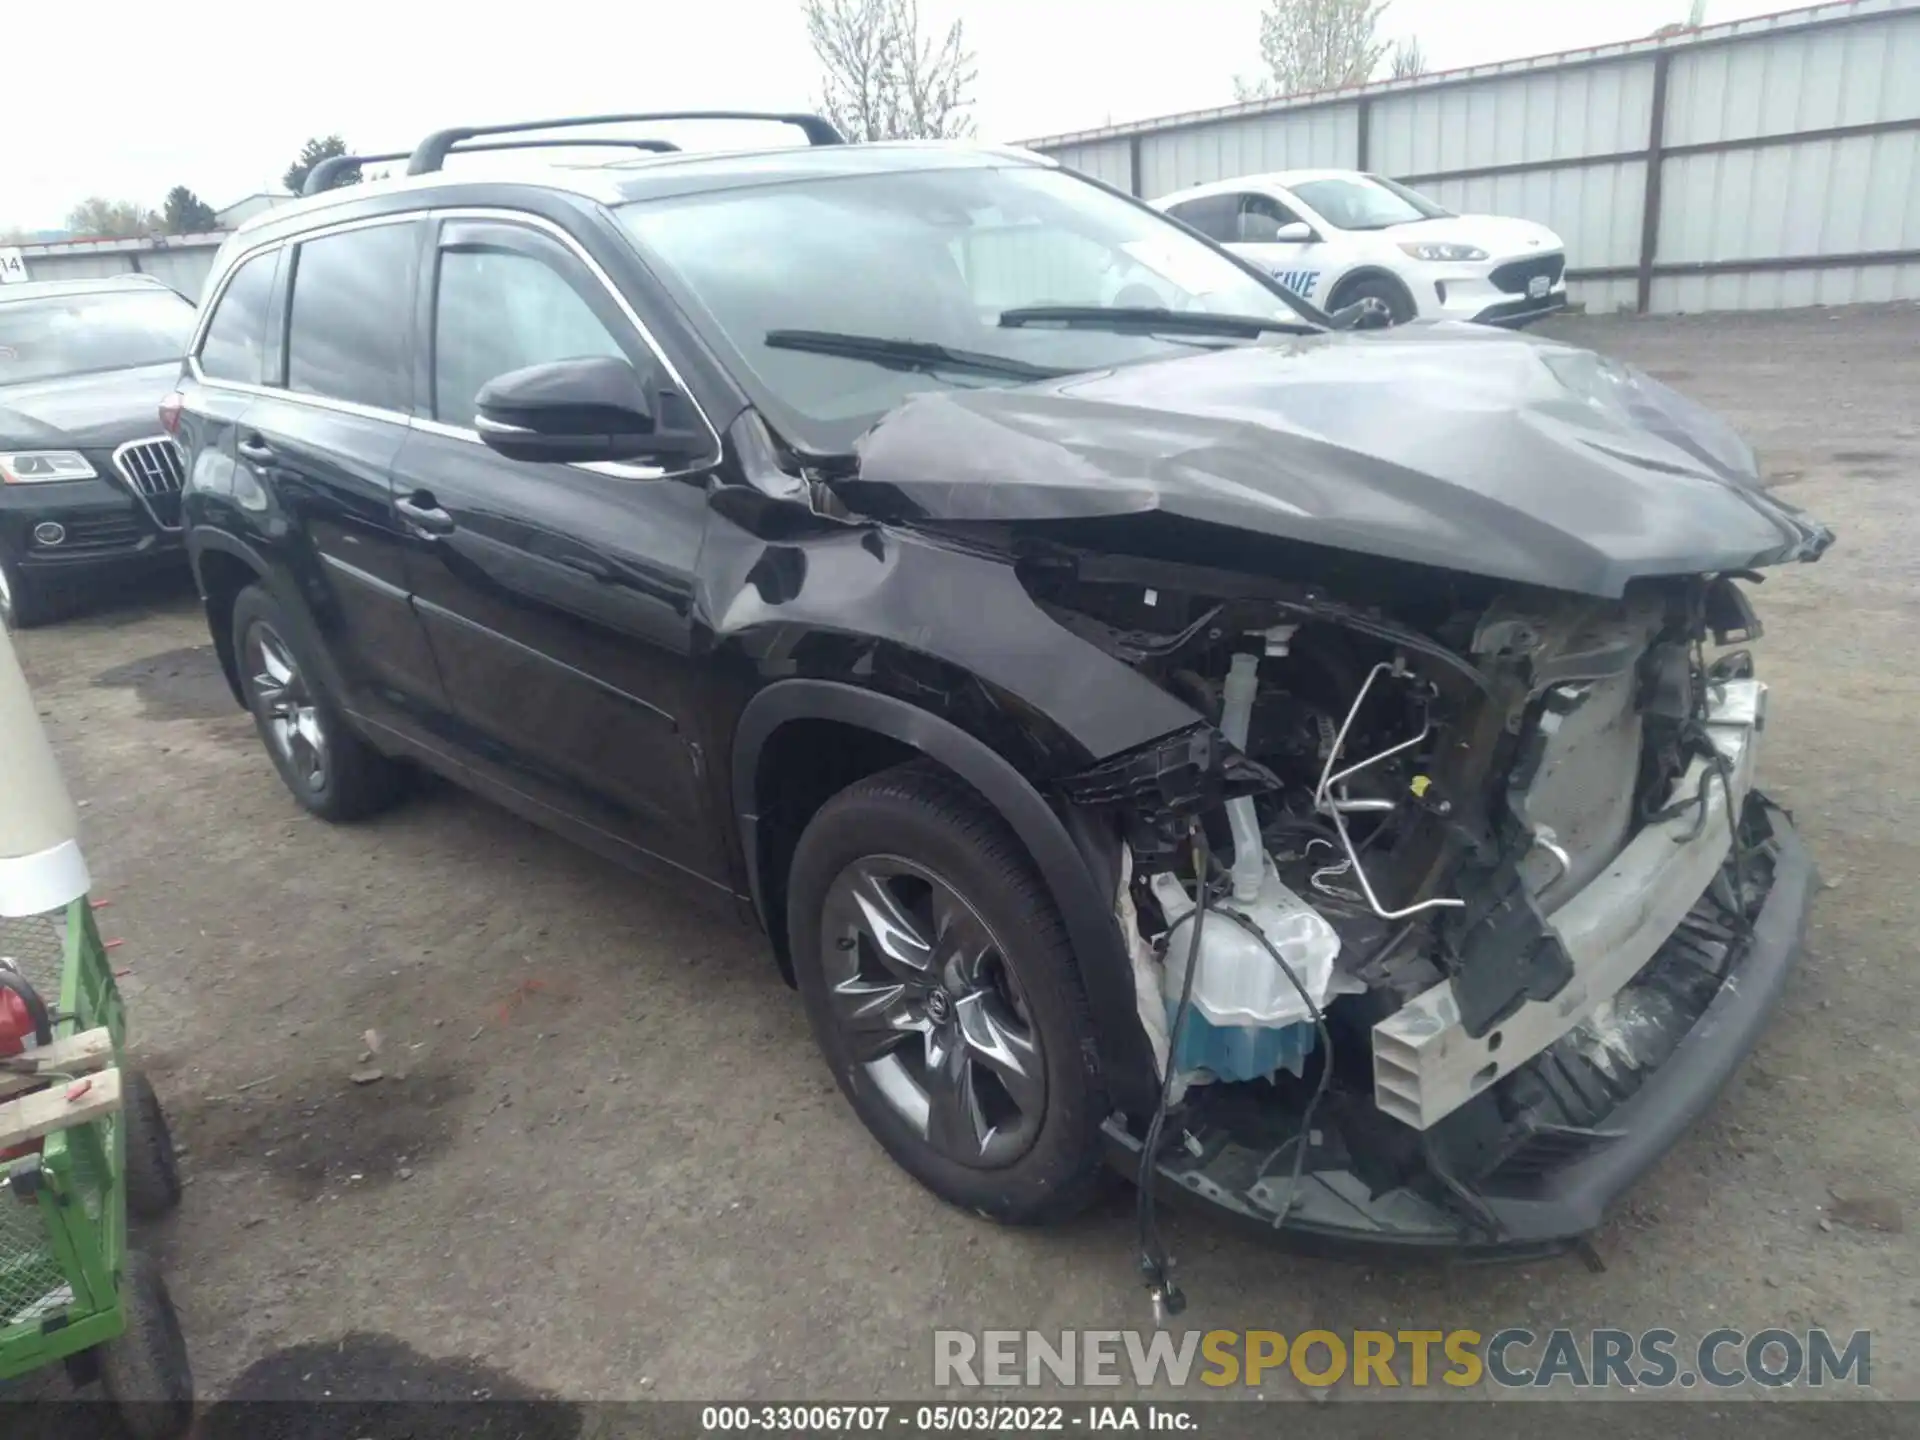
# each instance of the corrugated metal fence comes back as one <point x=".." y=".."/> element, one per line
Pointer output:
<point x="1766" y="163"/>
<point x="181" y="261"/>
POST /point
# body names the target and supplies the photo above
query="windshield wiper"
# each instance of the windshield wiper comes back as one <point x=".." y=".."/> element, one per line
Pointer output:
<point x="919" y="355"/>
<point x="1145" y="320"/>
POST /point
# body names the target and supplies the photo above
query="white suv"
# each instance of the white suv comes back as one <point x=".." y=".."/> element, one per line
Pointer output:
<point x="1341" y="237"/>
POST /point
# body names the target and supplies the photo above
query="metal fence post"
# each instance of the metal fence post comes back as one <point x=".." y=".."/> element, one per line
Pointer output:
<point x="1656" y="163"/>
<point x="1133" y="165"/>
<point x="1363" y="134"/>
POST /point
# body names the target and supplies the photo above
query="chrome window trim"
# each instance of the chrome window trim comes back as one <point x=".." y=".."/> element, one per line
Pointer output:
<point x="525" y="218"/>
<point x="617" y="469"/>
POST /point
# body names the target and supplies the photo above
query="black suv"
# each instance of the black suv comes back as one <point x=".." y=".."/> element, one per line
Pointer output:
<point x="1151" y="728"/>
<point x="89" y="486"/>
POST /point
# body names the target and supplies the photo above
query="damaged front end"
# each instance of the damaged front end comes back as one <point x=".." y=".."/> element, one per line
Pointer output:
<point x="1494" y="909"/>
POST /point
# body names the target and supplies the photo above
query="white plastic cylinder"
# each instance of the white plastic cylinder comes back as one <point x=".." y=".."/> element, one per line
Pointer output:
<point x="1236" y="721"/>
<point x="40" y="863"/>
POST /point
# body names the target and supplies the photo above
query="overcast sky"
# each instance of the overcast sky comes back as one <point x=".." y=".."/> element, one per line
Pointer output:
<point x="219" y="95"/>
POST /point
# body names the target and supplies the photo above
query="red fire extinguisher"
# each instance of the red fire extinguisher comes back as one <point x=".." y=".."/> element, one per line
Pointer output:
<point x="24" y="1021"/>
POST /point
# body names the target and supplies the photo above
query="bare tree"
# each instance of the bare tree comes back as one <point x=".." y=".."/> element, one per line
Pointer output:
<point x="883" y="78"/>
<point x="97" y="218"/>
<point x="1315" y="45"/>
<point x="1409" y="60"/>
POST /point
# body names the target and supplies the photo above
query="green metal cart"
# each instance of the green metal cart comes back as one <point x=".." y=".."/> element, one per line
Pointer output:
<point x="83" y="1141"/>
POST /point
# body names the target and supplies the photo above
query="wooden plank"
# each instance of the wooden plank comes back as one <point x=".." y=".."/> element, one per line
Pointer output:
<point x="80" y="1054"/>
<point x="33" y="1116"/>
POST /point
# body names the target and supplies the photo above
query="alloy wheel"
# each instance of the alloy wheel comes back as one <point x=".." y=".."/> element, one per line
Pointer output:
<point x="1377" y="309"/>
<point x="285" y="703"/>
<point x="929" y="1006"/>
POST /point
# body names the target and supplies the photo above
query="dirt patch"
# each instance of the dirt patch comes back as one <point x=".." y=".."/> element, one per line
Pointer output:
<point x="328" y="1134"/>
<point x="185" y="684"/>
<point x="365" y="1384"/>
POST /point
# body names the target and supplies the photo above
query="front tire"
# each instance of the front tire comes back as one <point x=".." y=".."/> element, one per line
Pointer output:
<point x="26" y="601"/>
<point x="1380" y="295"/>
<point x="941" y="988"/>
<point x="330" y="769"/>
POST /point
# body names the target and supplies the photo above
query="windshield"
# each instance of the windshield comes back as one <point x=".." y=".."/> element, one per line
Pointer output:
<point x="46" y="338"/>
<point x="935" y="258"/>
<point x="1367" y="202"/>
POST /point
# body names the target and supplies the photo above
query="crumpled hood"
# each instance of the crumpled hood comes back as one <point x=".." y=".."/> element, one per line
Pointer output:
<point x="85" y="411"/>
<point x="1456" y="446"/>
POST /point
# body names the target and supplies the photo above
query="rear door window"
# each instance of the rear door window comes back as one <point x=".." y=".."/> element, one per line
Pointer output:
<point x="349" y="326"/>
<point x="236" y="340"/>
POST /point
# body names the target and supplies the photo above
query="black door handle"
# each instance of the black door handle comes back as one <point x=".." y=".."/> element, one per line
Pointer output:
<point x="587" y="565"/>
<point x="421" y="511"/>
<point x="255" y="449"/>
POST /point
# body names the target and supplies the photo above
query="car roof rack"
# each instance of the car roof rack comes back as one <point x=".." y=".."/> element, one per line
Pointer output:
<point x="333" y="170"/>
<point x="432" y="152"/>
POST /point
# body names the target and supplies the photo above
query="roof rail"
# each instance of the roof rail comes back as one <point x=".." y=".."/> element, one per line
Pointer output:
<point x="333" y="170"/>
<point x="432" y="152"/>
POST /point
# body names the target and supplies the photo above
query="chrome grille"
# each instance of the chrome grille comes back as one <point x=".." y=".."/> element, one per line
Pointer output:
<point x="156" y="472"/>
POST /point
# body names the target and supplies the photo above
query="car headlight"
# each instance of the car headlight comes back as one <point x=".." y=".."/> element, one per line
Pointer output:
<point x="1432" y="250"/>
<point x="31" y="467"/>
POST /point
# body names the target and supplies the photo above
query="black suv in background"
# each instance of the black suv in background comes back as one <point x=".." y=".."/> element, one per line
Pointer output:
<point x="89" y="484"/>
<point x="1117" y="696"/>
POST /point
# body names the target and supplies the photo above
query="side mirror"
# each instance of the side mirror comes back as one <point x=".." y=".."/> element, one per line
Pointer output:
<point x="568" y="411"/>
<point x="1294" y="232"/>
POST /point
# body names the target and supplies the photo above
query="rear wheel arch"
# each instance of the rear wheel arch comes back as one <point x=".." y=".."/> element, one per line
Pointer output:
<point x="224" y="564"/>
<point x="222" y="572"/>
<point x="879" y="731"/>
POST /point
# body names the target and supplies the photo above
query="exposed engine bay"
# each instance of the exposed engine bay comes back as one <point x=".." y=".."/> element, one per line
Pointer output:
<point x="1465" y="862"/>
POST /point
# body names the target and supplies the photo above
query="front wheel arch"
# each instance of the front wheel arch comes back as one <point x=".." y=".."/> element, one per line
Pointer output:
<point x="1106" y="973"/>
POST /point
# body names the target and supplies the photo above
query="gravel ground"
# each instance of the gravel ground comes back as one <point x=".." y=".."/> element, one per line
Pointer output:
<point x="604" y="1160"/>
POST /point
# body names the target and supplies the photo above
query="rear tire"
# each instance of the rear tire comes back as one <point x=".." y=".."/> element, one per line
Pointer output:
<point x="1004" y="1051"/>
<point x="1387" y="295"/>
<point x="146" y="1373"/>
<point x="152" y="1171"/>
<point x="323" y="761"/>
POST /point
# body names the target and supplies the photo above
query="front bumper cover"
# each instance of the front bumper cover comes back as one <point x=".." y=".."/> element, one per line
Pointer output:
<point x="104" y="528"/>
<point x="1519" y="313"/>
<point x="1554" y="1204"/>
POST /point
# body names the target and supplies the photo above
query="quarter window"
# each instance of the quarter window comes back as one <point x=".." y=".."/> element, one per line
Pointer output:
<point x="236" y="339"/>
<point x="352" y="301"/>
<point x="1214" y="216"/>
<point x="500" y="310"/>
